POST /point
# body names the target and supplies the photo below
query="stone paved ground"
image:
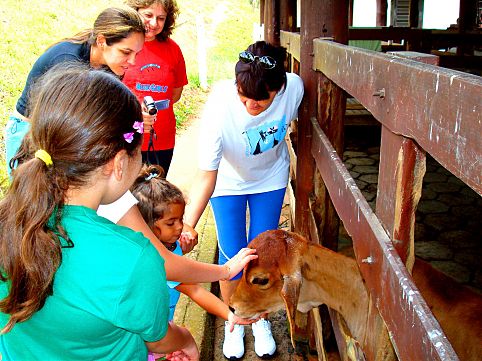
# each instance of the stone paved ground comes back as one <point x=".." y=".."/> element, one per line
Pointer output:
<point x="448" y="232"/>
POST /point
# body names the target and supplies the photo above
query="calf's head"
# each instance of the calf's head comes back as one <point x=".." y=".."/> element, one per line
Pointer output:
<point x="274" y="279"/>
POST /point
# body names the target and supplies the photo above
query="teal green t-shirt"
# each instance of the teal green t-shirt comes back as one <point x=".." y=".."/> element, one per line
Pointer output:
<point x="109" y="296"/>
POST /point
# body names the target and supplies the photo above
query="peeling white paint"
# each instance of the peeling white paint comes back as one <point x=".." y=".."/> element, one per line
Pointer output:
<point x="458" y="118"/>
<point x="434" y="333"/>
<point x="436" y="84"/>
<point x="452" y="78"/>
<point x="410" y="296"/>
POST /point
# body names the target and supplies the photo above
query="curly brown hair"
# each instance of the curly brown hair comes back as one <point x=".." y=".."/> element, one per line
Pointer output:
<point x="172" y="11"/>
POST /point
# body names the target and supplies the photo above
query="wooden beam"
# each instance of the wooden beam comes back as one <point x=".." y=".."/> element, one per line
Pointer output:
<point x="438" y="108"/>
<point x="416" y="13"/>
<point x="261" y="11"/>
<point x="413" y="329"/>
<point x="291" y="41"/>
<point x="402" y="167"/>
<point x="382" y="6"/>
<point x="271" y="22"/>
<point x="311" y="13"/>
<point x="400" y="179"/>
<point x="287" y="18"/>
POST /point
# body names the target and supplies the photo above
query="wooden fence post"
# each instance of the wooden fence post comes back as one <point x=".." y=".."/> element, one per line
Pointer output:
<point x="401" y="171"/>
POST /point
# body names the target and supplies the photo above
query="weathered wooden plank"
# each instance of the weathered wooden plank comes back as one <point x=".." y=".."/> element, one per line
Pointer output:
<point x="402" y="167"/>
<point x="434" y="37"/>
<point x="413" y="329"/>
<point x="311" y="12"/>
<point x="382" y="7"/>
<point x="287" y="15"/>
<point x="271" y="22"/>
<point x="385" y="33"/>
<point x="421" y="57"/>
<point x="291" y="41"/>
<point x="440" y="109"/>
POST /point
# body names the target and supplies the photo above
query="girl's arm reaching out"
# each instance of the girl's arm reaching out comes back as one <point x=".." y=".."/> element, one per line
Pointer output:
<point x="183" y="269"/>
<point x="212" y="304"/>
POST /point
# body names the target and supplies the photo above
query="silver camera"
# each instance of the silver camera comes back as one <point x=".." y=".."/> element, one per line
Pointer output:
<point x="150" y="105"/>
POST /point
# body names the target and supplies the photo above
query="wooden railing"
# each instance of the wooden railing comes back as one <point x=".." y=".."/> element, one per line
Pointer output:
<point x="422" y="109"/>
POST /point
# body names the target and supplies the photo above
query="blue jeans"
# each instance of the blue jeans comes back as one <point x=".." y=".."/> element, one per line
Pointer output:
<point x="230" y="217"/>
<point x="15" y="130"/>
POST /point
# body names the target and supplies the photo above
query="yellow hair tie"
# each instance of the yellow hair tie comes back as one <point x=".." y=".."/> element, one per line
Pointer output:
<point x="43" y="155"/>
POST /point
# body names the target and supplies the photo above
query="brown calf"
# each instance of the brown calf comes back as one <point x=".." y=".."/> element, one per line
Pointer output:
<point x="290" y="272"/>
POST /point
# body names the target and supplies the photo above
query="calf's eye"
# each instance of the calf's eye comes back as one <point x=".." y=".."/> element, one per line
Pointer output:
<point x="260" y="281"/>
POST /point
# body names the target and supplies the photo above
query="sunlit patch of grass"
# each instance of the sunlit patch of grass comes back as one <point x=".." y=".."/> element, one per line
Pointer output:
<point x="190" y="104"/>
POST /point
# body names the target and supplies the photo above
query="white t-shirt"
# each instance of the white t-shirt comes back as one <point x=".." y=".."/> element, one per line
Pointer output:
<point x="249" y="152"/>
<point x="116" y="210"/>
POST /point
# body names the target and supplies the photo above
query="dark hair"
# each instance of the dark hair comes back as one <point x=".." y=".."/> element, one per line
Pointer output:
<point x="171" y="8"/>
<point x="154" y="193"/>
<point x="115" y="24"/>
<point x="253" y="80"/>
<point x="79" y="117"/>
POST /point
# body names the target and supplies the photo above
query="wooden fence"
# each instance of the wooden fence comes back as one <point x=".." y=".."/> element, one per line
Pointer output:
<point x="422" y="109"/>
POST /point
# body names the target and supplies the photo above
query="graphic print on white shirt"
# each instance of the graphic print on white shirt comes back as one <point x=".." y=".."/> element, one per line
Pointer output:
<point x="249" y="152"/>
<point x="265" y="136"/>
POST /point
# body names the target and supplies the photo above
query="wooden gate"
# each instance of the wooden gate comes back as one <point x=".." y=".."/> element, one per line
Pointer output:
<point x="422" y="109"/>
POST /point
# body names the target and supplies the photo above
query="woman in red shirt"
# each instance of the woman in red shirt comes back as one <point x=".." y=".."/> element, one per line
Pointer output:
<point x="160" y="72"/>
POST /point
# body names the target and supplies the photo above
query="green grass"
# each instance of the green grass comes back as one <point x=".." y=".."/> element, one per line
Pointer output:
<point x="28" y="27"/>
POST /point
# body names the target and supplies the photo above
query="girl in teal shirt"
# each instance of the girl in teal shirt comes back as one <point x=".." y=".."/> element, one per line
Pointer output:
<point x="70" y="285"/>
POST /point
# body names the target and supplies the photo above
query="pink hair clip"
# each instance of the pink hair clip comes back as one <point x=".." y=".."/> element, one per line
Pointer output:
<point x="139" y="128"/>
<point x="129" y="137"/>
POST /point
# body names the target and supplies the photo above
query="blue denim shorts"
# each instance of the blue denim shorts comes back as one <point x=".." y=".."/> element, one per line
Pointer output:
<point x="15" y="130"/>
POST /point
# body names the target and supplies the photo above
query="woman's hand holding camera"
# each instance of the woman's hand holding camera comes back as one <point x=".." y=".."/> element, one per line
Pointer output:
<point x="148" y="119"/>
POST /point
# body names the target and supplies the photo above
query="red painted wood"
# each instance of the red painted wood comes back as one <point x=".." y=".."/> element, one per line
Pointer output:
<point x="311" y="28"/>
<point x="382" y="6"/>
<point x="438" y="108"/>
<point x="402" y="167"/>
<point x="413" y="329"/>
<point x="271" y="22"/>
<point x="287" y="17"/>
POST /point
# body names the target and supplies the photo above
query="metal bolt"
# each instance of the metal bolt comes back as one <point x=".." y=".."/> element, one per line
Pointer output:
<point x="380" y="93"/>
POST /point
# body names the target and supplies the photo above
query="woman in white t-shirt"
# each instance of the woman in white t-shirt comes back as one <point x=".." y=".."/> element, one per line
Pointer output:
<point x="244" y="163"/>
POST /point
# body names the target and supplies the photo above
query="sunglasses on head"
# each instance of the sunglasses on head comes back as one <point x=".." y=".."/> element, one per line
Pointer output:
<point x="265" y="61"/>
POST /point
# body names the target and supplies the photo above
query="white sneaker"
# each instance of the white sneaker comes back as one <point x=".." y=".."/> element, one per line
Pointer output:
<point x="233" y="345"/>
<point x="264" y="344"/>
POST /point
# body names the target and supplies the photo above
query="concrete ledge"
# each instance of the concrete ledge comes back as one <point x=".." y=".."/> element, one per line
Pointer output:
<point x="188" y="313"/>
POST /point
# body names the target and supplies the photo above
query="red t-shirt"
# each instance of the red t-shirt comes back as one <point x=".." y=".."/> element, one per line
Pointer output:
<point x="159" y="69"/>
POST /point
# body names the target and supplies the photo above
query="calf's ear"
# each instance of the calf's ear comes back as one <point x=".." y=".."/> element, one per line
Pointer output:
<point x="290" y="294"/>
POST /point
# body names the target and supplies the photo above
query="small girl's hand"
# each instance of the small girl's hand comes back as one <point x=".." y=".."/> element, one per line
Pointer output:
<point x="238" y="262"/>
<point x="235" y="320"/>
<point x="188" y="238"/>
